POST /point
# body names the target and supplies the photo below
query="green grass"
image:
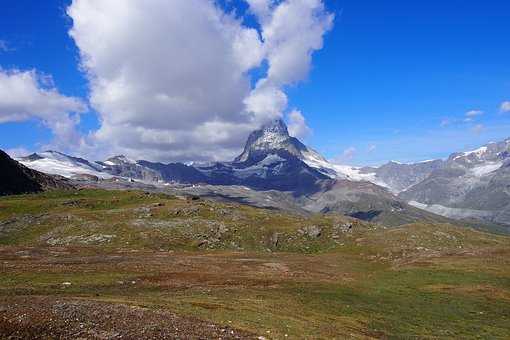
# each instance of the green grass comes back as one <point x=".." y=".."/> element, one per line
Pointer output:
<point x="88" y="212"/>
<point x="395" y="304"/>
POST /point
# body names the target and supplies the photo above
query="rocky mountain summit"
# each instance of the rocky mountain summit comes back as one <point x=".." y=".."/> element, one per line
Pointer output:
<point x="271" y="138"/>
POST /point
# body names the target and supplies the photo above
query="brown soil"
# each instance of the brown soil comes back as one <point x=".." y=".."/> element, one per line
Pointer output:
<point x="67" y="318"/>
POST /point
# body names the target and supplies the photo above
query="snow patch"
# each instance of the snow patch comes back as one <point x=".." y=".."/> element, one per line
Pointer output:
<point x="456" y="213"/>
<point x="316" y="161"/>
<point x="271" y="159"/>
<point x="478" y="152"/>
<point x="485" y="169"/>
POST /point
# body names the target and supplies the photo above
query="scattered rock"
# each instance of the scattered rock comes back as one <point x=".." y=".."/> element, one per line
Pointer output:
<point x="80" y="239"/>
<point x="274" y="239"/>
<point x="143" y="210"/>
<point x="186" y="211"/>
<point x="72" y="203"/>
<point x="312" y="231"/>
<point x="203" y="243"/>
<point x="85" y="178"/>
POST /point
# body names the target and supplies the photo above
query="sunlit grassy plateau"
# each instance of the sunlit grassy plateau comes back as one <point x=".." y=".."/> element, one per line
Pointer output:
<point x="266" y="272"/>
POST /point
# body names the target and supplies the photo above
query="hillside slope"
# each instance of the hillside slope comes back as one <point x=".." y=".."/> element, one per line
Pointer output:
<point x="133" y="264"/>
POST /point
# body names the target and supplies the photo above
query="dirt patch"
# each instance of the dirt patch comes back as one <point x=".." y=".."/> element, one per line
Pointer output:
<point x="277" y="267"/>
<point x="61" y="318"/>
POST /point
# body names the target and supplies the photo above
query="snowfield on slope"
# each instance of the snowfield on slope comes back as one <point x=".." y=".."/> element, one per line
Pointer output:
<point x="316" y="161"/>
<point x="62" y="168"/>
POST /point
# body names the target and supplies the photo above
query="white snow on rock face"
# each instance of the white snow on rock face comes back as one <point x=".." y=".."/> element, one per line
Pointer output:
<point x="270" y="139"/>
<point x="478" y="152"/>
<point x="270" y="159"/>
<point x="354" y="174"/>
<point x="314" y="160"/>
<point x="63" y="158"/>
<point x="62" y="167"/>
<point x="486" y="169"/>
<point x="271" y="136"/>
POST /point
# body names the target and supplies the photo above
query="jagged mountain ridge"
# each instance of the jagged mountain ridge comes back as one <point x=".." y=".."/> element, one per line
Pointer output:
<point x="473" y="184"/>
<point x="272" y="161"/>
<point x="266" y="152"/>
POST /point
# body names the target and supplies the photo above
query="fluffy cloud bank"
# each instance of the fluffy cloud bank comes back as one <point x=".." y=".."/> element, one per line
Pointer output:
<point x="26" y="95"/>
<point x="171" y="79"/>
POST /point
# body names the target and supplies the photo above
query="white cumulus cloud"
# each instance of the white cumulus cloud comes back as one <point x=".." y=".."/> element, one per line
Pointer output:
<point x="291" y="31"/>
<point x="505" y="107"/>
<point x="171" y="79"/>
<point x="474" y="113"/>
<point x="26" y="95"/>
<point x="297" y="125"/>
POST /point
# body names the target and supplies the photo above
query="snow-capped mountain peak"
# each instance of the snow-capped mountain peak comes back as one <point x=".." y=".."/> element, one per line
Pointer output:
<point x="491" y="152"/>
<point x="270" y="137"/>
<point x="274" y="137"/>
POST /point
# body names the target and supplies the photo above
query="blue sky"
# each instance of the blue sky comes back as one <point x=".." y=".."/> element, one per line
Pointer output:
<point x="393" y="81"/>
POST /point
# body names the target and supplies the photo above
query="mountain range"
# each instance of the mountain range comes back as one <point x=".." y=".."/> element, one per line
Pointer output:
<point x="470" y="185"/>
